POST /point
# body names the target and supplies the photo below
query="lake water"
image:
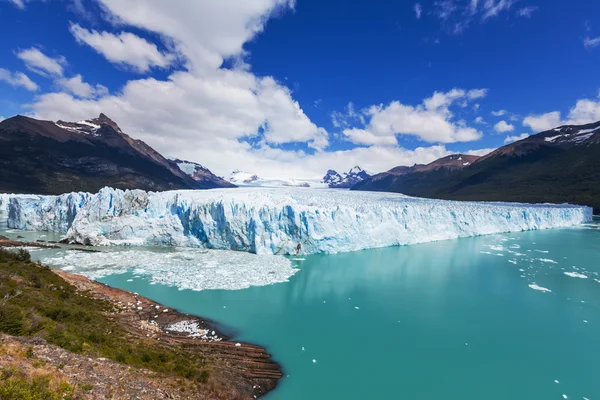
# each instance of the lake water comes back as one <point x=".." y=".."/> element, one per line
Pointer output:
<point x="492" y="317"/>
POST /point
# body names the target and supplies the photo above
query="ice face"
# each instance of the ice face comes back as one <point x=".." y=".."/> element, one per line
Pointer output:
<point x="45" y="213"/>
<point x="277" y="221"/>
<point x="4" y="198"/>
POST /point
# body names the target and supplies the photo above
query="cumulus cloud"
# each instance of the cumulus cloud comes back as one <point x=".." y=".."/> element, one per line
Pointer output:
<point x="543" y="122"/>
<point x="432" y="121"/>
<point x="205" y="32"/>
<point x="479" y="120"/>
<point x="585" y="111"/>
<point x="503" y="126"/>
<point x="78" y="87"/>
<point x="228" y="118"/>
<point x="42" y="64"/>
<point x="511" y="139"/>
<point x="124" y="48"/>
<point x="589" y="42"/>
<point x="17" y="79"/>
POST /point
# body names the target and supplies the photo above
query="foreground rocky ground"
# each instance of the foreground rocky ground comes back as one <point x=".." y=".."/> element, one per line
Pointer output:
<point x="68" y="337"/>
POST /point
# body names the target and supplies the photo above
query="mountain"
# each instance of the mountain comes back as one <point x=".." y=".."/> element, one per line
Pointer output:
<point x="201" y="174"/>
<point x="556" y="166"/>
<point x="248" y="179"/>
<point x="46" y="157"/>
<point x="240" y="177"/>
<point x="346" y="180"/>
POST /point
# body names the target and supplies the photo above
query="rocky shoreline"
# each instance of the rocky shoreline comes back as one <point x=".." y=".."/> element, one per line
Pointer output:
<point x="237" y="370"/>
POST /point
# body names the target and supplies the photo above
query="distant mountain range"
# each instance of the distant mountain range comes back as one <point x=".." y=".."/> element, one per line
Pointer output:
<point x="345" y="180"/>
<point x="555" y="166"/>
<point x="242" y="178"/>
<point x="47" y="157"/>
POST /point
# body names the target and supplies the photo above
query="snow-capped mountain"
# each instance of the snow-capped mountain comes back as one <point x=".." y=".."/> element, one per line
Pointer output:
<point x="558" y="165"/>
<point x="50" y="157"/>
<point x="346" y="180"/>
<point x="201" y="174"/>
<point x="242" y="178"/>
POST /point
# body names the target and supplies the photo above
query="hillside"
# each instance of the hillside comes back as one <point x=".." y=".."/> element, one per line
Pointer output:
<point x="46" y="157"/>
<point x="63" y="336"/>
<point x="556" y="166"/>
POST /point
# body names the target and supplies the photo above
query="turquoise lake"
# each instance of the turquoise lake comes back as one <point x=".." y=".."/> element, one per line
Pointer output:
<point x="446" y="320"/>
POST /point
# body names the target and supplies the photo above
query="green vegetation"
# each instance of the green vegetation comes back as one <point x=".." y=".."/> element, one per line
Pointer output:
<point x="36" y="302"/>
<point x="16" y="385"/>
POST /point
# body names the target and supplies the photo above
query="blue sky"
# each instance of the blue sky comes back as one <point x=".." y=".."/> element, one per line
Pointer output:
<point x="279" y="87"/>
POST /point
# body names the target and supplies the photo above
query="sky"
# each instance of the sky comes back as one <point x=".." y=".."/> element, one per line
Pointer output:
<point x="292" y="88"/>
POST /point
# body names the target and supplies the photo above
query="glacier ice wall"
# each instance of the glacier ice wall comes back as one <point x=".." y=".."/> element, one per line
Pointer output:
<point x="277" y="221"/>
<point x="4" y="199"/>
<point x="45" y="213"/>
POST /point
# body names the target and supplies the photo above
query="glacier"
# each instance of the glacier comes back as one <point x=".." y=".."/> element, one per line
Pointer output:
<point x="286" y="221"/>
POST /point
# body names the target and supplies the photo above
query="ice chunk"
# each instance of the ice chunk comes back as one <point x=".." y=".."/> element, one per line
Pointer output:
<point x="575" y="275"/>
<point x="277" y="221"/>
<point x="193" y="269"/>
<point x="540" y="288"/>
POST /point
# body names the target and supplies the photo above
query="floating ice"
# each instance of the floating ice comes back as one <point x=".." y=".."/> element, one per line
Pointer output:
<point x="547" y="260"/>
<point x="540" y="288"/>
<point x="575" y="275"/>
<point x="193" y="269"/>
<point x="193" y="329"/>
<point x="277" y="221"/>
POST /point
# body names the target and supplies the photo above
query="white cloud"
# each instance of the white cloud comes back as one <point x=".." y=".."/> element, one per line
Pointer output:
<point x="589" y="42"/>
<point x="457" y="16"/>
<point x="361" y="136"/>
<point x="499" y="113"/>
<point x="511" y="139"/>
<point x="231" y="118"/>
<point x="17" y="79"/>
<point x="492" y="8"/>
<point x="543" y="122"/>
<point x="348" y="117"/>
<point x="477" y="94"/>
<point x="503" y="126"/>
<point x="18" y="3"/>
<point x="526" y="12"/>
<point x="40" y="63"/>
<point x="479" y="152"/>
<point x="205" y="32"/>
<point x="585" y="111"/>
<point x="124" y="48"/>
<point x="432" y="121"/>
<point x="418" y="10"/>
<point x="78" y="87"/>
<point x="479" y="120"/>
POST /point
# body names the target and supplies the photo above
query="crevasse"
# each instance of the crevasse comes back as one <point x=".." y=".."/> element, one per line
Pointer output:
<point x="276" y="221"/>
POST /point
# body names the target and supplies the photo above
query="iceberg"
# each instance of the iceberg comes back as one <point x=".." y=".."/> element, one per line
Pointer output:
<point x="287" y="221"/>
